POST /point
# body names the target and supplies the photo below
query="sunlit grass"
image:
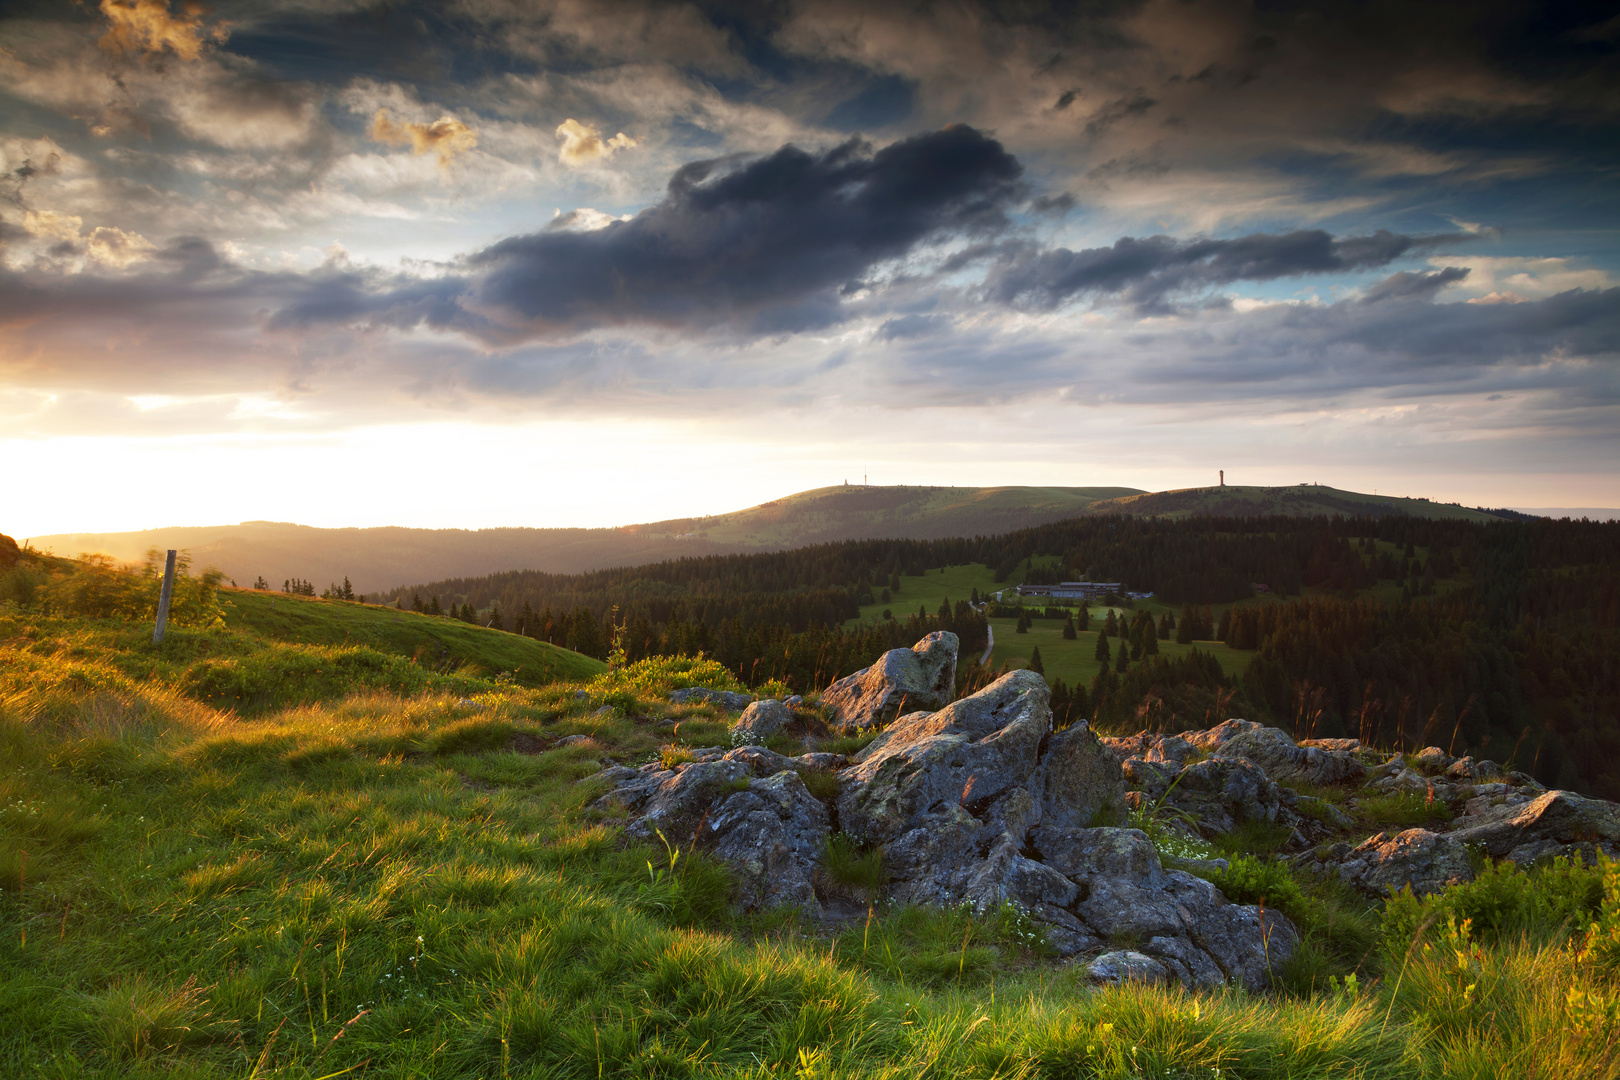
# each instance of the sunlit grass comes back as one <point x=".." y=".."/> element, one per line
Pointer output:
<point x="416" y="884"/>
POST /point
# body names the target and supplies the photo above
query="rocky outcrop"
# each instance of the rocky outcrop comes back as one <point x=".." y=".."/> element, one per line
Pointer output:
<point x="976" y="802"/>
<point x="1424" y="861"/>
<point x="1555" y="823"/>
<point x="760" y="720"/>
<point x="772" y="835"/>
<point x="1279" y="756"/>
<point x="968" y="753"/>
<point x="9" y="552"/>
<point x="979" y="801"/>
<point x="921" y="677"/>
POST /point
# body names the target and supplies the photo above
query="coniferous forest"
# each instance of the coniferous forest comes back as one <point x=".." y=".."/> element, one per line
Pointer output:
<point x="1501" y="640"/>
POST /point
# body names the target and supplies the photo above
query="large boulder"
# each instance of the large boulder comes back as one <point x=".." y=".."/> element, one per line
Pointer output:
<point x="1555" y="823"/>
<point x="1417" y="858"/>
<point x="760" y="720"/>
<point x="1182" y="922"/>
<point x="921" y="677"/>
<point x="773" y="836"/>
<point x="1279" y="756"/>
<point x="966" y="754"/>
<point x="1222" y="793"/>
<point x="676" y="802"/>
<point x="9" y="552"/>
<point x="1078" y="779"/>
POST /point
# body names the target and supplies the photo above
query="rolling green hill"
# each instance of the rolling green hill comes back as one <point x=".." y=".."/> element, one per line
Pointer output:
<point x="1301" y="500"/>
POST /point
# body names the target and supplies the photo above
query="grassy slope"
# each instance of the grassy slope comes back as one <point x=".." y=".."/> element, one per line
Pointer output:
<point x="1302" y="500"/>
<point x="412" y="886"/>
<point x="438" y="642"/>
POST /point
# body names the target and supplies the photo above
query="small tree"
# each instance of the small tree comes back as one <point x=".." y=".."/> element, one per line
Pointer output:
<point x="260" y="583"/>
<point x="1102" y="652"/>
<point x="1068" y="628"/>
<point x="1035" y="664"/>
<point x="1023" y="622"/>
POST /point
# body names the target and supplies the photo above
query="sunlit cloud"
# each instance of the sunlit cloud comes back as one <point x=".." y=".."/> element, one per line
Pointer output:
<point x="583" y="144"/>
<point x="445" y="137"/>
<point x="147" y="26"/>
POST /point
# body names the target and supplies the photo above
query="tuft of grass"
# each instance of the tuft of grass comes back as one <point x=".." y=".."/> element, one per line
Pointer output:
<point x="671" y="756"/>
<point x="821" y="783"/>
<point x="851" y="869"/>
<point x="849" y="745"/>
<point x="1253" y="838"/>
<point x="1403" y="810"/>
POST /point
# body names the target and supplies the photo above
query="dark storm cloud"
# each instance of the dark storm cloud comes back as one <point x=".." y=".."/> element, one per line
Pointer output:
<point x="1292" y="354"/>
<point x="764" y="246"/>
<point x="1406" y="285"/>
<point x="1146" y="272"/>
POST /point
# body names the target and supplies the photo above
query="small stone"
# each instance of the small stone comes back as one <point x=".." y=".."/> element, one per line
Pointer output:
<point x="760" y="720"/>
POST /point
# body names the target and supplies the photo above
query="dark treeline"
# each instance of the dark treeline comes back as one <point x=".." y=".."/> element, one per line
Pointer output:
<point x="1522" y="663"/>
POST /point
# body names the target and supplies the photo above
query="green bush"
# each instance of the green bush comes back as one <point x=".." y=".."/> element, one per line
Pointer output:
<point x="1555" y="901"/>
<point x="658" y="675"/>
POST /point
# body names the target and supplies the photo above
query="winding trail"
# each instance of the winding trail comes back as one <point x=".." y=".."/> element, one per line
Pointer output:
<point x="985" y="659"/>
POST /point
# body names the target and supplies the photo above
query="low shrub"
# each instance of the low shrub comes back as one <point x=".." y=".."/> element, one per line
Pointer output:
<point x="658" y="675"/>
<point x="1555" y="901"/>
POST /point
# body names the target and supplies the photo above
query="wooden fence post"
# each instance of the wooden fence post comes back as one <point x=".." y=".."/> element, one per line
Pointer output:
<point x="163" y="598"/>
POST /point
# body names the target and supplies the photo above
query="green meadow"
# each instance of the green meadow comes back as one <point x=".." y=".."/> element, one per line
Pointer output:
<point x="374" y="867"/>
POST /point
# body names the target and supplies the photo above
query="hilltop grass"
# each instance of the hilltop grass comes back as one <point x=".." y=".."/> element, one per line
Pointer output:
<point x="437" y="642"/>
<point x="390" y="883"/>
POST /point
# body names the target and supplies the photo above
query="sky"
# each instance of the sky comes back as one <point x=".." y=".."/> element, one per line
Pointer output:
<point x="470" y="263"/>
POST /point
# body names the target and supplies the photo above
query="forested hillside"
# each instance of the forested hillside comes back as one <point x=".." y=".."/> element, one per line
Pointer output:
<point x="1500" y="639"/>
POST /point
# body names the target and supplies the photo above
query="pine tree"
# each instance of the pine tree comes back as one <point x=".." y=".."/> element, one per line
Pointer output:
<point x="348" y="590"/>
<point x="1068" y="628"/>
<point x="1186" y="626"/>
<point x="1164" y="627"/>
<point x="1150" y="640"/>
<point x="416" y="602"/>
<point x="1102" y="652"/>
<point x="434" y="608"/>
<point x="1062" y="705"/>
<point x="1035" y="664"/>
<point x="260" y="583"/>
<point x="1110" y="625"/>
<point x="1023" y="622"/>
<point x="495" y="622"/>
<point x="1084" y="622"/>
<point x="1124" y="660"/>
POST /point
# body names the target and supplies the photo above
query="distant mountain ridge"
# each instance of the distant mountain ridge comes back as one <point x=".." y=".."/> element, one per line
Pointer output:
<point x="375" y="559"/>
